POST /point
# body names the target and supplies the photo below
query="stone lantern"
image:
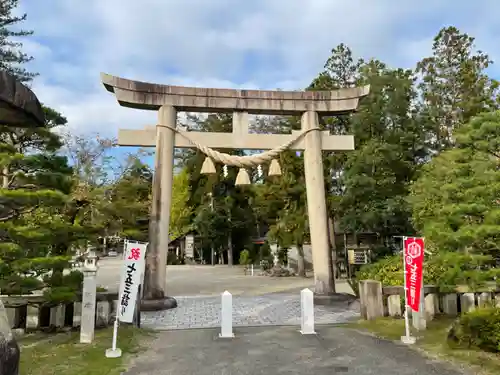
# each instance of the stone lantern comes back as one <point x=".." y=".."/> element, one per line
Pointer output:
<point x="90" y="262"/>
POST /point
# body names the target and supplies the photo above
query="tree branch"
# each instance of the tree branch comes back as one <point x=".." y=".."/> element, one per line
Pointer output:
<point x="16" y="213"/>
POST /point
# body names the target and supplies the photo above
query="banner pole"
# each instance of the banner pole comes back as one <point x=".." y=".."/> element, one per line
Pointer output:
<point x="114" y="352"/>
<point x="407" y="339"/>
<point x="422" y="322"/>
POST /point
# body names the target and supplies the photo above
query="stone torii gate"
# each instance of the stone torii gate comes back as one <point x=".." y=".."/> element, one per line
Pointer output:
<point x="165" y="136"/>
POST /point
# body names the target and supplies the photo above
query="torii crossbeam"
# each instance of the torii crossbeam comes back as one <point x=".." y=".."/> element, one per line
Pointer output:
<point x="169" y="100"/>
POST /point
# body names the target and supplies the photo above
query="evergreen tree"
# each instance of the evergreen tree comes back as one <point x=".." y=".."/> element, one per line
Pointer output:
<point x="290" y="225"/>
<point x="128" y="202"/>
<point x="389" y="145"/>
<point x="455" y="201"/>
<point x="221" y="212"/>
<point x="11" y="56"/>
<point x="453" y="86"/>
<point x="180" y="212"/>
<point x="37" y="231"/>
<point x="367" y="187"/>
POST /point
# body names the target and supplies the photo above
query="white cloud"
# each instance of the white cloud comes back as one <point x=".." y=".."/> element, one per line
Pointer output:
<point x="221" y="43"/>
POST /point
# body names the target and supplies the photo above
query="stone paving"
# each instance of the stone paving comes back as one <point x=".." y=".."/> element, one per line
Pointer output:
<point x="282" y="351"/>
<point x="266" y="310"/>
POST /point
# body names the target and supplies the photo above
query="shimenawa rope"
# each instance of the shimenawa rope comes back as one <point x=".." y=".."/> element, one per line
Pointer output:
<point x="241" y="161"/>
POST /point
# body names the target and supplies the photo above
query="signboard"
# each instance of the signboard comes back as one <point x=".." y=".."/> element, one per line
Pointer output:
<point x="131" y="277"/>
<point x="414" y="263"/>
<point x="358" y="256"/>
<point x="189" y="251"/>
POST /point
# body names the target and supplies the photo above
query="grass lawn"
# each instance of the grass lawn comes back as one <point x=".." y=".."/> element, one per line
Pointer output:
<point x="62" y="354"/>
<point x="433" y="343"/>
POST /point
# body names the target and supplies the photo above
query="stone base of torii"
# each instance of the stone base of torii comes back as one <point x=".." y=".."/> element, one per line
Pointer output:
<point x="165" y="137"/>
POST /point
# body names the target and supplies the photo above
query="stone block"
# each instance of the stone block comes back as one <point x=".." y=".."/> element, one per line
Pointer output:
<point x="32" y="318"/>
<point x="484" y="299"/>
<point x="57" y="316"/>
<point x="431" y="305"/>
<point x="450" y="304"/>
<point x="372" y="303"/>
<point x="77" y="314"/>
<point x="394" y="306"/>
<point x="103" y="312"/>
<point x="114" y="309"/>
<point x="13" y="316"/>
<point x="467" y="302"/>
<point x="497" y="300"/>
<point x="418" y="318"/>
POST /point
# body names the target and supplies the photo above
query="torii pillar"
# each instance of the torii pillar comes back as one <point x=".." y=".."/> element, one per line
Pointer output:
<point x="169" y="100"/>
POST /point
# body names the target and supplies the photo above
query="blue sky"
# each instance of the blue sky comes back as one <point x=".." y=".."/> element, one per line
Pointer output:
<point x="223" y="43"/>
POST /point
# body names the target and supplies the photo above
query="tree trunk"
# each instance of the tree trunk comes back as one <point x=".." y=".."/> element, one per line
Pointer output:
<point x="230" y="250"/>
<point x="301" y="262"/>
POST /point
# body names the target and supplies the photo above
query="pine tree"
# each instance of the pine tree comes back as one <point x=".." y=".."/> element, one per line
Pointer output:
<point x="129" y="201"/>
<point x="453" y="86"/>
<point x="11" y="56"/>
<point x="455" y="201"/>
<point x="38" y="227"/>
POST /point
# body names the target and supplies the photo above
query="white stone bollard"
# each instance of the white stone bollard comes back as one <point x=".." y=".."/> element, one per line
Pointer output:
<point x="307" y="312"/>
<point x="226" y="324"/>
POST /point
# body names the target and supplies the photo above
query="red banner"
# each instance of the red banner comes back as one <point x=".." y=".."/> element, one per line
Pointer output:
<point x="414" y="263"/>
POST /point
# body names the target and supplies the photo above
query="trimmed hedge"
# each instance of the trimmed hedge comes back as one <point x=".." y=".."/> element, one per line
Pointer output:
<point x="445" y="270"/>
<point x="477" y="329"/>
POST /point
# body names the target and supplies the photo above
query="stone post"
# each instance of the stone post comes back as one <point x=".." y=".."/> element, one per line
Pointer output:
<point x="156" y="257"/>
<point x="371" y="299"/>
<point x="467" y="301"/>
<point x="418" y="318"/>
<point x="484" y="299"/>
<point x="226" y="315"/>
<point x="307" y="312"/>
<point x="32" y="318"/>
<point x="88" y="300"/>
<point x="450" y="304"/>
<point x="316" y="206"/>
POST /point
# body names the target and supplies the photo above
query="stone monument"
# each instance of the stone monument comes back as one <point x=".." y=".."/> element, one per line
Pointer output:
<point x="166" y="136"/>
<point x="89" y="294"/>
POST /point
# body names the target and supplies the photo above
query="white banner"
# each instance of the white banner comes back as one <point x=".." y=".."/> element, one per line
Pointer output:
<point x="131" y="277"/>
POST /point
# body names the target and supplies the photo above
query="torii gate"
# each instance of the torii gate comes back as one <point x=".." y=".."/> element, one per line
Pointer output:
<point x="169" y="100"/>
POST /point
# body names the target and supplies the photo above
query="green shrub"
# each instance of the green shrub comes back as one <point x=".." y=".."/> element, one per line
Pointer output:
<point x="477" y="329"/>
<point x="245" y="257"/>
<point x="445" y="270"/>
<point x="388" y="270"/>
<point x="59" y="294"/>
